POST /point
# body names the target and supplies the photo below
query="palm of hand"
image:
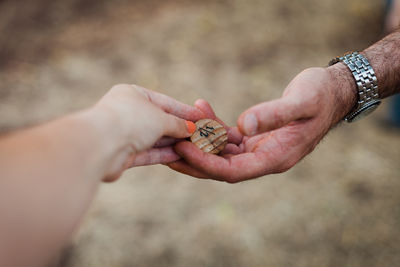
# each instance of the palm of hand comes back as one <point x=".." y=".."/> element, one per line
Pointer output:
<point x="267" y="153"/>
<point x="289" y="128"/>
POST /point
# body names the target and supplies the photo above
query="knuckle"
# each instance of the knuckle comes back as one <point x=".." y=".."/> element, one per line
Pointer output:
<point x="286" y="166"/>
<point x="235" y="178"/>
<point x="278" y="117"/>
<point x="231" y="180"/>
<point x="282" y="169"/>
<point x="129" y="90"/>
<point x="121" y="87"/>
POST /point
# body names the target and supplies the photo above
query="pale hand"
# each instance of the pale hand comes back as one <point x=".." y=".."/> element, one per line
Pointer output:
<point x="147" y="125"/>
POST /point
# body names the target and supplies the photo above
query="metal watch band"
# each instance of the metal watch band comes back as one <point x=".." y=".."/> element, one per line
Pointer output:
<point x="365" y="78"/>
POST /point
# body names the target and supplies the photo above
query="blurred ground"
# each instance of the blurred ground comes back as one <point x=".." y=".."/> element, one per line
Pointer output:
<point x="339" y="207"/>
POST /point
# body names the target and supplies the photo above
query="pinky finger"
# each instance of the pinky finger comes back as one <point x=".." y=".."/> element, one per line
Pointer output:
<point x="166" y="141"/>
<point x="231" y="149"/>
<point x="154" y="156"/>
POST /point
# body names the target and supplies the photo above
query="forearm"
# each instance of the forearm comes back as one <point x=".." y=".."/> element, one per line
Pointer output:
<point x="48" y="176"/>
<point x="384" y="57"/>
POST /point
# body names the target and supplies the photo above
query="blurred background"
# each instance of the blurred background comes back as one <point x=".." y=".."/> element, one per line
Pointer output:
<point x="338" y="207"/>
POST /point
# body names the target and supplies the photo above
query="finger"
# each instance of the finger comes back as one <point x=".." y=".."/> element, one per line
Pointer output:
<point x="228" y="156"/>
<point x="198" y="159"/>
<point x="271" y="115"/>
<point x="233" y="169"/>
<point x="177" y="127"/>
<point x="231" y="149"/>
<point x="234" y="135"/>
<point x="154" y="156"/>
<point x="166" y="141"/>
<point x="172" y="106"/>
<point x="182" y="167"/>
<point x="206" y="108"/>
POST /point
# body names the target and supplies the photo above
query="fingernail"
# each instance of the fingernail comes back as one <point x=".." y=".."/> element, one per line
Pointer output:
<point x="191" y="127"/>
<point x="250" y="124"/>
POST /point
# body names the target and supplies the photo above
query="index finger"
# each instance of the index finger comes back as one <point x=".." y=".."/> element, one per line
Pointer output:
<point x="173" y="106"/>
<point x="234" y="135"/>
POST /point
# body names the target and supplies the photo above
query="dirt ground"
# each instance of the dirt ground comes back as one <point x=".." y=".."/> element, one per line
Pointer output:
<point x="338" y="207"/>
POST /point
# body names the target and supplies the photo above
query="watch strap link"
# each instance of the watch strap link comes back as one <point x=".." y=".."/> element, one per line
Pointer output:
<point x="365" y="78"/>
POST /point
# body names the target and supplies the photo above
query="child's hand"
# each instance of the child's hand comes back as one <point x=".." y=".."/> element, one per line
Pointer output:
<point x="146" y="125"/>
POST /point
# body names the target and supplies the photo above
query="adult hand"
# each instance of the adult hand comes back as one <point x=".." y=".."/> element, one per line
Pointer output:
<point x="148" y="125"/>
<point x="279" y="133"/>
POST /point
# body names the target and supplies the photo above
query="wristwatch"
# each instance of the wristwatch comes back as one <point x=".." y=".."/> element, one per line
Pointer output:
<point x="367" y="85"/>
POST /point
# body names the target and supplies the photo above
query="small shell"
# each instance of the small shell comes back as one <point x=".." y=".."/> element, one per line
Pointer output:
<point x="210" y="136"/>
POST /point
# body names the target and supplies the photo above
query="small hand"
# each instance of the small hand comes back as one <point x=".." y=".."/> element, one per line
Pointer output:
<point x="279" y="133"/>
<point x="149" y="124"/>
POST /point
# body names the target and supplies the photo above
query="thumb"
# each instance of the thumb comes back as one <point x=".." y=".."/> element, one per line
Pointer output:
<point x="177" y="127"/>
<point x="270" y="115"/>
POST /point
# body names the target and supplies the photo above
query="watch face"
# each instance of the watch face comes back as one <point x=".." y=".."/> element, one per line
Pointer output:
<point x="364" y="111"/>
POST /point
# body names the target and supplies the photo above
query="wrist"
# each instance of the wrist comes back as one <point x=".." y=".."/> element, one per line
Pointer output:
<point x="107" y="132"/>
<point x="344" y="89"/>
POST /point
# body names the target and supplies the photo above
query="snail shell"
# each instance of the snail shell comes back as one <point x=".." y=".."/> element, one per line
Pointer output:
<point x="210" y="136"/>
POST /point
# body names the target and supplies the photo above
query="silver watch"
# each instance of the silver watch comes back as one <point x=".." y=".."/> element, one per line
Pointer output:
<point x="367" y="85"/>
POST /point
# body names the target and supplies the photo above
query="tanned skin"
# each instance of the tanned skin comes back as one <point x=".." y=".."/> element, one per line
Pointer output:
<point x="273" y="136"/>
<point x="384" y="57"/>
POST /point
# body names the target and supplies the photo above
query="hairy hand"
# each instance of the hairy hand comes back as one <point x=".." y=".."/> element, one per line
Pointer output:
<point x="277" y="134"/>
